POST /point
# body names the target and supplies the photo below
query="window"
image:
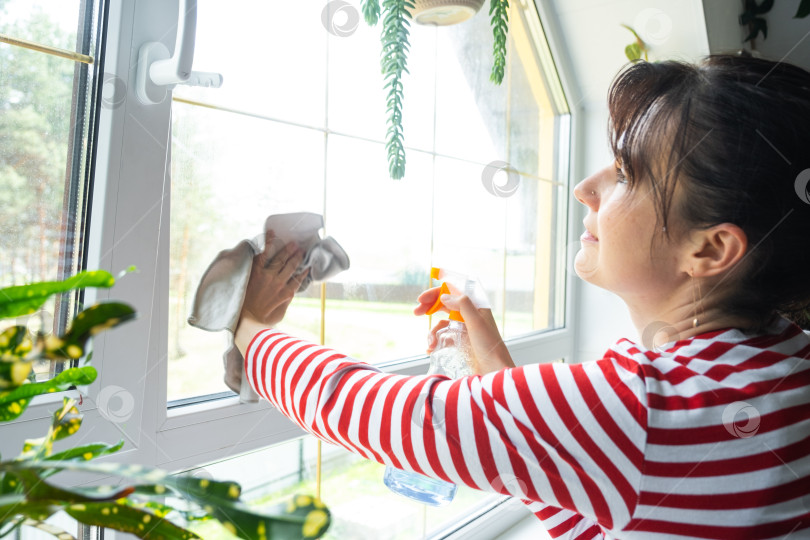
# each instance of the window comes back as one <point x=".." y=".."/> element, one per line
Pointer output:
<point x="298" y="125"/>
<point x="302" y="130"/>
<point x="48" y="87"/>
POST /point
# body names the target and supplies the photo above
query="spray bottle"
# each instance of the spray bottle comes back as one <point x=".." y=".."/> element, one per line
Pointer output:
<point x="450" y="357"/>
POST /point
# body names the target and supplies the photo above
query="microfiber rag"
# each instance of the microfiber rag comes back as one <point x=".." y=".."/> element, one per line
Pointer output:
<point x="221" y="292"/>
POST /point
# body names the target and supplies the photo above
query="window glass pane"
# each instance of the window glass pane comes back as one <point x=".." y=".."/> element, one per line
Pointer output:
<point x="49" y="22"/>
<point x="356" y="95"/>
<point x="35" y="98"/>
<point x="46" y="121"/>
<point x="222" y="190"/>
<point x="459" y="128"/>
<point x="272" y="57"/>
<point x="470" y="109"/>
<point x="385" y="227"/>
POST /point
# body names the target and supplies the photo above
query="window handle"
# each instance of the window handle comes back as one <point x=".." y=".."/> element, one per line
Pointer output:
<point x="159" y="72"/>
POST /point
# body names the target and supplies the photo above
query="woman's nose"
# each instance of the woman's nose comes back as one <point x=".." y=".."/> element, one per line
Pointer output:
<point x="585" y="192"/>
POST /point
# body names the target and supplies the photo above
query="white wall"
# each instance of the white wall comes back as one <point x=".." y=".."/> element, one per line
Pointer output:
<point x="592" y="41"/>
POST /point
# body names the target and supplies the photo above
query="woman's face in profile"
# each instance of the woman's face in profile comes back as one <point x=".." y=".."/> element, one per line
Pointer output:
<point x="617" y="249"/>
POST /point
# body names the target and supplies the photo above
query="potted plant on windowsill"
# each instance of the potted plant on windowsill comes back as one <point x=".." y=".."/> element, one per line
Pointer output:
<point x="396" y="16"/>
<point x="139" y="505"/>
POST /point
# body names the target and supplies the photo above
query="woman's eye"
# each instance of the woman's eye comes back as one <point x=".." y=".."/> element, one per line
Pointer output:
<point x="620" y="177"/>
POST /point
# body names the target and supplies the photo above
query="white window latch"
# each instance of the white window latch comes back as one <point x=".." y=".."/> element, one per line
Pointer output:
<point x="159" y="72"/>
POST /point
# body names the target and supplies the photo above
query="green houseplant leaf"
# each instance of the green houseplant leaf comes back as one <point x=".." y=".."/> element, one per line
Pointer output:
<point x="26" y="299"/>
<point x="86" y="324"/>
<point x="637" y="50"/>
<point x="14" y="402"/>
<point x="139" y="508"/>
<point x="371" y="11"/>
<point x="394" y="63"/>
<point x="121" y="517"/>
<point x="803" y="11"/>
<point x="499" y="18"/>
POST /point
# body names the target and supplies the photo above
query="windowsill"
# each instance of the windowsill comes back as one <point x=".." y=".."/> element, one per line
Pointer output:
<point x="528" y="527"/>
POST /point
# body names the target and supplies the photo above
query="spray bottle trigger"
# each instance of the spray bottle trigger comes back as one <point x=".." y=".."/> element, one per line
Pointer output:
<point x="435" y="307"/>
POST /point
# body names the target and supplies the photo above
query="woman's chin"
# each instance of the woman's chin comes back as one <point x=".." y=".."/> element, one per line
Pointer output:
<point x="585" y="264"/>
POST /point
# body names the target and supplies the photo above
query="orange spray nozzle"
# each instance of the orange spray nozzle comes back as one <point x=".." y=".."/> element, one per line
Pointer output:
<point x="438" y="303"/>
<point x="454" y="315"/>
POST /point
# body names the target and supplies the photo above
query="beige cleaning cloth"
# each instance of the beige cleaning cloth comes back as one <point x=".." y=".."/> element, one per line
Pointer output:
<point x="221" y="292"/>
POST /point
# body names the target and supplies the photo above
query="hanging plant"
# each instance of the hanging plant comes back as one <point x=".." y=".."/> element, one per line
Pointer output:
<point x="396" y="19"/>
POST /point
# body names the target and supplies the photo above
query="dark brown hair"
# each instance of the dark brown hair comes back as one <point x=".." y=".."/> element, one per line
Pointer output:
<point x="732" y="133"/>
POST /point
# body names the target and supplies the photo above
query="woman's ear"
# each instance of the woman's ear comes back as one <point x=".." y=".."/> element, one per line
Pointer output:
<point x="716" y="250"/>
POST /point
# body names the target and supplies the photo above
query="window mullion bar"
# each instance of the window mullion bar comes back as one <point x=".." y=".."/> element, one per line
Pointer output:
<point x="47" y="49"/>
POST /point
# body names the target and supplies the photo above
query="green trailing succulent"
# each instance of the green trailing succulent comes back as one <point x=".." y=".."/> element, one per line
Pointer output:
<point x="396" y="21"/>
<point x="499" y="18"/>
<point x="141" y="505"/>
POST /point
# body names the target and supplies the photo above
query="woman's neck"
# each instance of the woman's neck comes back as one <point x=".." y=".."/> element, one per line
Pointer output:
<point x="677" y="320"/>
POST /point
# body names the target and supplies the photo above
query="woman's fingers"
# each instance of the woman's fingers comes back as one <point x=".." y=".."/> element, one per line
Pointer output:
<point x="284" y="261"/>
<point x="432" y="339"/>
<point x="273" y="281"/>
<point x="426" y="300"/>
<point x="269" y="236"/>
<point x="490" y="352"/>
<point x="290" y="261"/>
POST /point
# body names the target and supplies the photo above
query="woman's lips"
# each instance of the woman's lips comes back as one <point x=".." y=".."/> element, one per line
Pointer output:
<point x="588" y="237"/>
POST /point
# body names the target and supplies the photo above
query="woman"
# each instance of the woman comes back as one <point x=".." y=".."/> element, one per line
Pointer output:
<point x="701" y="227"/>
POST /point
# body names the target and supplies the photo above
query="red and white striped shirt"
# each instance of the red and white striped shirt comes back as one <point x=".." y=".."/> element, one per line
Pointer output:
<point x="709" y="438"/>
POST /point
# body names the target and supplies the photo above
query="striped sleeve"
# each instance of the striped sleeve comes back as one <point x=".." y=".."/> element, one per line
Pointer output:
<point x="569" y="435"/>
<point x="565" y="524"/>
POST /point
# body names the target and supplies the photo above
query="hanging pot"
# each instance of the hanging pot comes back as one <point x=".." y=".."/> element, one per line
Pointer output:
<point x="444" y="12"/>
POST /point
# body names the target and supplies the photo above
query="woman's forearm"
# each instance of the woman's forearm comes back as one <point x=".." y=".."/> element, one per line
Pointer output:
<point x="245" y="332"/>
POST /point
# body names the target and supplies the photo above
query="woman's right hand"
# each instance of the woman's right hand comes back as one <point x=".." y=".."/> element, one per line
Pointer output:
<point x="489" y="350"/>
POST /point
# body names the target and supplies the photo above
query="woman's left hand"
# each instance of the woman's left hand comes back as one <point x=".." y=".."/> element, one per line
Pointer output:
<point x="272" y="283"/>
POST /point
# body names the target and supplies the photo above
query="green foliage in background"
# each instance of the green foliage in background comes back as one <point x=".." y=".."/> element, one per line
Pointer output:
<point x="143" y="506"/>
<point x="751" y="16"/>
<point x="637" y="50"/>
<point x="35" y="98"/>
<point x="396" y="18"/>
<point x="803" y="11"/>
